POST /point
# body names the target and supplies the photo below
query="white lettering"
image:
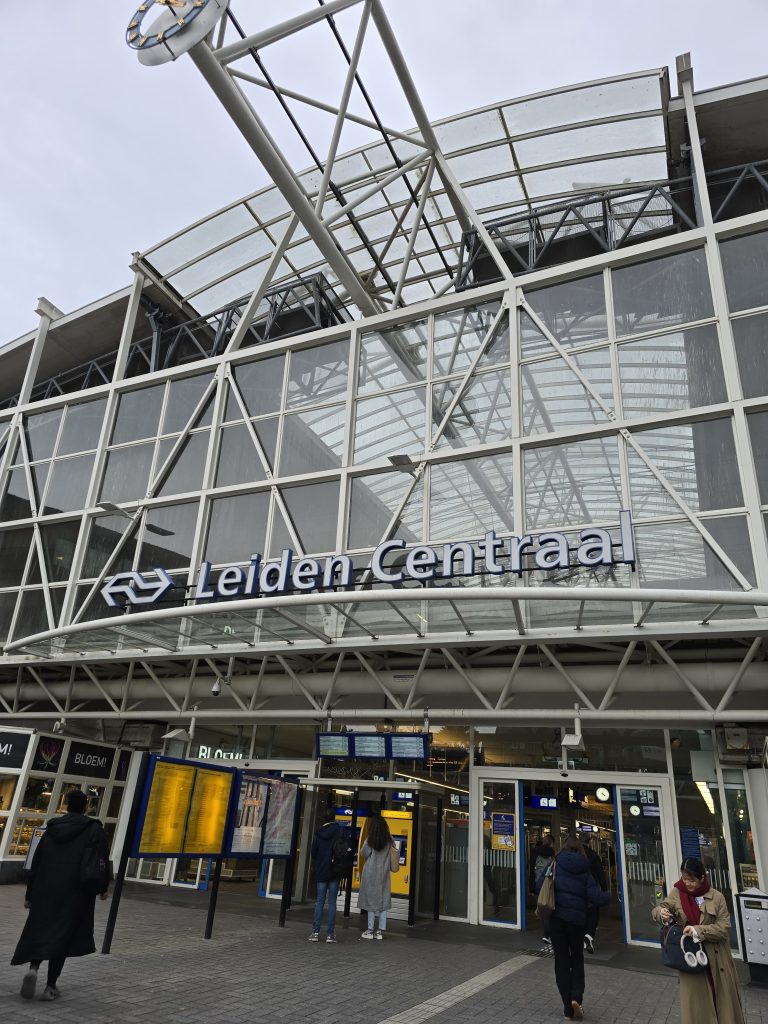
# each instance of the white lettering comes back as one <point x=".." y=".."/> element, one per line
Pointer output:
<point x="553" y="552"/>
<point x="420" y="563"/>
<point x="379" y="554"/>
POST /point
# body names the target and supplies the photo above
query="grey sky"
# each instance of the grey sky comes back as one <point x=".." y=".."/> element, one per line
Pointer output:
<point x="102" y="157"/>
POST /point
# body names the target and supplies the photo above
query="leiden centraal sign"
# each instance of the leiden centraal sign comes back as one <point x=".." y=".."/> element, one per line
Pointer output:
<point x="390" y="564"/>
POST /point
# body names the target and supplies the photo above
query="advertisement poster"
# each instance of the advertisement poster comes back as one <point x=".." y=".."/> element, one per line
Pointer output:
<point x="249" y="823"/>
<point x="278" y="829"/>
<point x="503" y="832"/>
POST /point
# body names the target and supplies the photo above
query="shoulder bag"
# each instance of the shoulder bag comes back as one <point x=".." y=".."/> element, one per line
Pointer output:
<point x="545" y="902"/>
<point x="394" y="858"/>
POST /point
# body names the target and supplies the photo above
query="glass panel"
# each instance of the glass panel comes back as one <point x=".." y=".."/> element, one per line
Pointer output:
<point x="168" y="536"/>
<point x="676" y="555"/>
<point x="261" y="386"/>
<point x="115" y="800"/>
<point x="745" y="266"/>
<point x="312" y="441"/>
<point x="16" y="504"/>
<point x="555" y="399"/>
<point x="732" y="534"/>
<point x="22" y="836"/>
<point x="68" y="487"/>
<point x="758" y="433"/>
<point x="138" y="414"/>
<point x="674" y="371"/>
<point x="239" y="461"/>
<point x="471" y="497"/>
<point x="643" y="859"/>
<point x="32" y="617"/>
<point x="318" y="374"/>
<point x="314" y="510"/>
<point x="14" y="548"/>
<point x="482" y="415"/>
<point x="390" y="425"/>
<point x="393" y="357"/>
<point x="106" y="531"/>
<point x="41" y="431"/>
<point x="238" y="527"/>
<point x="82" y="427"/>
<point x="750" y="336"/>
<point x="661" y="293"/>
<point x="453" y="878"/>
<point x="183" y="396"/>
<point x="625" y="96"/>
<point x="59" y="542"/>
<point x="613" y="137"/>
<point x="572" y="483"/>
<point x="7" y="789"/>
<point x="499" y="845"/>
<point x="374" y="500"/>
<point x="574" y="312"/>
<point x="94" y="794"/>
<point x="208" y="235"/>
<point x="187" y="471"/>
<point x="126" y="476"/>
<point x="459" y="334"/>
<point x="37" y="795"/>
<point x="741" y="834"/>
<point x="697" y="459"/>
<point x="7" y="605"/>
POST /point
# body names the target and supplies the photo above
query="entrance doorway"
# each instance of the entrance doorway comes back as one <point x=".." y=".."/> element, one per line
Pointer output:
<point x="625" y="820"/>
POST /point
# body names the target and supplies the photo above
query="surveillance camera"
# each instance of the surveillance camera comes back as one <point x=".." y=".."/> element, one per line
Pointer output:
<point x="564" y="774"/>
<point x="216" y="688"/>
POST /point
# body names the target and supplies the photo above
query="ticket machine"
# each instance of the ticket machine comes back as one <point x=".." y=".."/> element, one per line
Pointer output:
<point x="401" y="826"/>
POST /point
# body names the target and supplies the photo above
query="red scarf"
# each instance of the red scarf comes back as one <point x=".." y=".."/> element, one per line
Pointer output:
<point x="691" y="908"/>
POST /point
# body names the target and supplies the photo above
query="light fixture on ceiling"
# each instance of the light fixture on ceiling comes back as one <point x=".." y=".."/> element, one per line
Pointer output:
<point x="402" y="463"/>
<point x="115" y="510"/>
<point x="180" y="733"/>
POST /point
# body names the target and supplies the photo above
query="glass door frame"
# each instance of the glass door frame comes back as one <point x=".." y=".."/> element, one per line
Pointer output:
<point x="630" y="780"/>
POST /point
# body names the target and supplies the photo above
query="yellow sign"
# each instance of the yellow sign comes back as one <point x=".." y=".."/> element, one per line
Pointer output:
<point x="186" y="811"/>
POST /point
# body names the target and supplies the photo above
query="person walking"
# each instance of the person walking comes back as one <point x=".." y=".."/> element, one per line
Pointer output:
<point x="327" y="880"/>
<point x="713" y="996"/>
<point x="542" y="855"/>
<point x="593" y="912"/>
<point x="575" y="889"/>
<point x="375" y="894"/>
<point x="61" y="908"/>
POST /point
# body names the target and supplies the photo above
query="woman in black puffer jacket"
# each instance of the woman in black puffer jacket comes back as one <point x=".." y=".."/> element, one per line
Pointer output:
<point x="575" y="890"/>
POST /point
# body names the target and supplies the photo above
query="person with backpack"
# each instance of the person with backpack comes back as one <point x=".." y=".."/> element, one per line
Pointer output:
<point x="69" y="870"/>
<point x="574" y="890"/>
<point x="379" y="857"/>
<point x="332" y="855"/>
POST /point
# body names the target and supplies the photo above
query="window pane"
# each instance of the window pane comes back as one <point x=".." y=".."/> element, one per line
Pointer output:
<point x="239" y="461"/>
<point x="318" y="374"/>
<point x="394" y="357"/>
<point x="750" y="335"/>
<point x="138" y="414"/>
<point x="261" y="386"/>
<point x="187" y="471"/>
<point x="390" y="425"/>
<point x="459" y="334"/>
<point x="745" y="266"/>
<point x="314" y="511"/>
<point x="697" y="459"/>
<point x="469" y="498"/>
<point x="168" y="536"/>
<point x="238" y="527"/>
<point x="732" y="534"/>
<point x="675" y="555"/>
<point x="41" y="431"/>
<point x="374" y="500"/>
<point x="7" y="605"/>
<point x="312" y="441"/>
<point x="16" y="501"/>
<point x="33" y="616"/>
<point x="574" y="312"/>
<point x="758" y="432"/>
<point x="126" y="476"/>
<point x="482" y="415"/>
<point x="14" y="547"/>
<point x="660" y="293"/>
<point x="106" y="532"/>
<point x="68" y="488"/>
<point x="59" y="542"/>
<point x="82" y="426"/>
<point x="572" y="483"/>
<point x="555" y="399"/>
<point x="674" y="371"/>
<point x="183" y="396"/>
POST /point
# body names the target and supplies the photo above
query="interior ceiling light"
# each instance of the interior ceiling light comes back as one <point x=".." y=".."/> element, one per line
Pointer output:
<point x="706" y="796"/>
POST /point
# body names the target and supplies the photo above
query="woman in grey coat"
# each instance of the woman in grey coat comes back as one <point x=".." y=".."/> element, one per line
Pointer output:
<point x="375" y="888"/>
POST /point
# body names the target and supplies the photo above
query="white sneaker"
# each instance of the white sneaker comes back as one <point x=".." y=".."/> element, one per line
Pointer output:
<point x="314" y="937"/>
<point x="29" y="984"/>
<point x="379" y="934"/>
<point x="367" y="934"/>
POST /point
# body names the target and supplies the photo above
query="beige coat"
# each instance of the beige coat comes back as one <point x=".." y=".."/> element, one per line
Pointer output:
<point x="714" y="930"/>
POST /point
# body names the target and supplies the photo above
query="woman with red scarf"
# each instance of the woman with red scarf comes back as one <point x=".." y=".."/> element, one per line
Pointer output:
<point x="712" y="997"/>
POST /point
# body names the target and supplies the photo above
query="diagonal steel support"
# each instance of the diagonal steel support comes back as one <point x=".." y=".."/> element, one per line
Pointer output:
<point x="739" y="675"/>
<point x="567" y="677"/>
<point x="692" y="689"/>
<point x="470" y="682"/>
<point x="379" y="682"/>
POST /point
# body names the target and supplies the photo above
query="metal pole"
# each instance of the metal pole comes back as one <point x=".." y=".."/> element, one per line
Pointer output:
<point x="353" y="827"/>
<point x="414" y="860"/>
<point x="125" y="853"/>
<point x="438" y="858"/>
<point x="213" y="899"/>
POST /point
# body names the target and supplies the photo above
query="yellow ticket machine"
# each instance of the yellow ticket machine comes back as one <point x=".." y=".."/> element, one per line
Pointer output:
<point x="401" y="826"/>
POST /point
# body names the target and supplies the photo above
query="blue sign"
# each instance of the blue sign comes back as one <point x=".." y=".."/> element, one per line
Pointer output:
<point x="544" y="802"/>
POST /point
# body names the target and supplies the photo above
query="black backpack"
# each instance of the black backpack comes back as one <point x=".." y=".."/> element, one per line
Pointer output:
<point x="342" y="854"/>
<point x="94" y="866"/>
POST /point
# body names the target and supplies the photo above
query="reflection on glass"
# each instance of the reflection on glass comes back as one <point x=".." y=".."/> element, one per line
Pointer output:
<point x="499" y="846"/>
<point x="82" y="427"/>
<point x="261" y="386"/>
<point x="572" y="483"/>
<point x="239" y="461"/>
<point x="732" y="534"/>
<point x="37" y="795"/>
<point x="758" y="434"/>
<point x="481" y="416"/>
<point x="318" y="374"/>
<point x="22" y="836"/>
<point x="574" y="312"/>
<point x="238" y="527"/>
<point x="314" y="511"/>
<point x="106" y="532"/>
<point x="312" y="441"/>
<point x="168" y="536"/>
<point x="661" y="293"/>
<point x="59" y="543"/>
<point x="393" y="357"/>
<point x="643" y="859"/>
<point x="41" y="431"/>
<point x="555" y="399"/>
<point x="750" y="336"/>
<point x="674" y="371"/>
<point x="675" y="555"/>
<point x="7" y="789"/>
<point x="471" y="497"/>
<point x="68" y="487"/>
<point x="14" y="547"/>
<point x="186" y="473"/>
<point x="374" y="501"/>
<point x="138" y="414"/>
<point x="390" y="425"/>
<point x="459" y="335"/>
<point x="7" y="605"/>
<point x="126" y="476"/>
<point x="183" y="396"/>
<point x="16" y="504"/>
<point x="745" y="266"/>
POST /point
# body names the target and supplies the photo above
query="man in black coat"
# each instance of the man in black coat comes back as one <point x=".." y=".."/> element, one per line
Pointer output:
<point x="61" y="909"/>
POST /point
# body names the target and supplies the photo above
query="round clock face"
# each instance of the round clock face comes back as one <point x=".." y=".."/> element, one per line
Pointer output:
<point x="602" y="793"/>
<point x="634" y="810"/>
<point x="161" y="30"/>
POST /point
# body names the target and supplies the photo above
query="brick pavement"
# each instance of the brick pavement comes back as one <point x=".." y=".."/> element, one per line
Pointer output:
<point x="162" y="970"/>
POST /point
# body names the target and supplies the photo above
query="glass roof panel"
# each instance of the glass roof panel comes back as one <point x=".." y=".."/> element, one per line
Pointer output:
<point x="474" y="130"/>
<point x="611" y="137"/>
<point x="225" y="261"/>
<point x="596" y="174"/>
<point x="482" y="163"/>
<point x="200" y="239"/>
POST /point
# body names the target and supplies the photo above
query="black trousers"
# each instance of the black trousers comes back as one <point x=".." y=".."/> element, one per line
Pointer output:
<point x="55" y="967"/>
<point x="593" y="920"/>
<point x="568" y="949"/>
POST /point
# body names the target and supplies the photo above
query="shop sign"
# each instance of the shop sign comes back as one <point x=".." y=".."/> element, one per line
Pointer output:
<point x="48" y="754"/>
<point x="289" y="574"/>
<point x="88" y="760"/>
<point x="13" y="749"/>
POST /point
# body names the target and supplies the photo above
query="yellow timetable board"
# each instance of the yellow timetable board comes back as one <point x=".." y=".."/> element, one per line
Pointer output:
<point x="186" y="811"/>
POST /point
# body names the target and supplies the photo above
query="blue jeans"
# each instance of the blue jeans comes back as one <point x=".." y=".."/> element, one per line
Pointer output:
<point x="331" y="890"/>
<point x="382" y="916"/>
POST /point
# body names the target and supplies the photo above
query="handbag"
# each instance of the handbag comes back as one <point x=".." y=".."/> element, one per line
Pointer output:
<point x="394" y="858"/>
<point x="545" y="901"/>
<point x="674" y="954"/>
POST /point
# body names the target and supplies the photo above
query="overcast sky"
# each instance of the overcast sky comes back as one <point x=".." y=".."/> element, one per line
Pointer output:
<point x="102" y="157"/>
